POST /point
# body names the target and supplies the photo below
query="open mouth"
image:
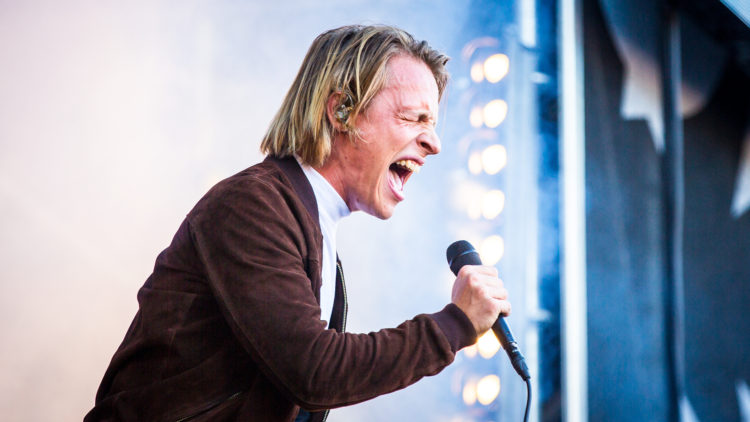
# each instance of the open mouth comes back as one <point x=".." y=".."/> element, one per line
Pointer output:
<point x="400" y="171"/>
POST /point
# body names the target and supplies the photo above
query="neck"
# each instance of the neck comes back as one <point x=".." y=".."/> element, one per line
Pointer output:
<point x="333" y="172"/>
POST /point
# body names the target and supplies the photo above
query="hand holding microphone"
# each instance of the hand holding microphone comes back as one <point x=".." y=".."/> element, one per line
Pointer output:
<point x="481" y="296"/>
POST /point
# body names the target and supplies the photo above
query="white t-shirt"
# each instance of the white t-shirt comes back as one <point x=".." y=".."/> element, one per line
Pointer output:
<point x="331" y="209"/>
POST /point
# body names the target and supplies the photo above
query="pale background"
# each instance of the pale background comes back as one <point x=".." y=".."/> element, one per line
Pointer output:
<point x="115" y="118"/>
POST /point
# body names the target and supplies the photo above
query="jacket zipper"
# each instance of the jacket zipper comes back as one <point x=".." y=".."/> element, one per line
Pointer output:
<point x="343" y="320"/>
<point x="346" y="301"/>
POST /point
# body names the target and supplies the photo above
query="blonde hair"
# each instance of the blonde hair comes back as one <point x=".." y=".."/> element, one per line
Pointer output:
<point x="350" y="61"/>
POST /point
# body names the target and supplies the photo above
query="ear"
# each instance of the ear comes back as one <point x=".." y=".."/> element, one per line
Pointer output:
<point x="337" y="111"/>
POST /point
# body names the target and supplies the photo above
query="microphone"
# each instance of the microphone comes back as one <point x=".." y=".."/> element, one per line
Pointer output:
<point x="461" y="253"/>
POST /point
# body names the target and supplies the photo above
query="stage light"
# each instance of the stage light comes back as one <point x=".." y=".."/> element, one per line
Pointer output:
<point x="475" y="163"/>
<point x="488" y="345"/>
<point x="495" y="67"/>
<point x="493" y="203"/>
<point x="476" y="117"/>
<point x="492" y="249"/>
<point x="477" y="72"/>
<point x="470" y="393"/>
<point x="488" y="388"/>
<point x="494" y="158"/>
<point x="467" y="197"/>
<point x="474" y="207"/>
<point x="494" y="113"/>
<point x="470" y="351"/>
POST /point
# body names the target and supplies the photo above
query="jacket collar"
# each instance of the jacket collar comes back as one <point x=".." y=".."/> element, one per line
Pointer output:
<point x="299" y="181"/>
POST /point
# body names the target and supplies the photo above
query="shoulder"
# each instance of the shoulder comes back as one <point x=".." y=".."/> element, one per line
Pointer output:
<point x="259" y="198"/>
<point x="264" y="177"/>
<point x="262" y="185"/>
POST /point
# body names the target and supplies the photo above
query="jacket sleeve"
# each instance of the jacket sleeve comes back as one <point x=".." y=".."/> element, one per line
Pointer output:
<point x="253" y="245"/>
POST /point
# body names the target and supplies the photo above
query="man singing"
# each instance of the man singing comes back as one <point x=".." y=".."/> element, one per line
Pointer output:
<point x="243" y="316"/>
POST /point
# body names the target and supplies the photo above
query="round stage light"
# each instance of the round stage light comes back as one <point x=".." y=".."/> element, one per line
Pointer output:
<point x="475" y="163"/>
<point x="470" y="351"/>
<point x="477" y="72"/>
<point x="488" y="345"/>
<point x="470" y="393"/>
<point x="494" y="113"/>
<point x="496" y="67"/>
<point x="494" y="158"/>
<point x="488" y="388"/>
<point x="492" y="249"/>
<point x="493" y="203"/>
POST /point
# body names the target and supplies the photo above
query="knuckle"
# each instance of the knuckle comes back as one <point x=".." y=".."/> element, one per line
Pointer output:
<point x="464" y="272"/>
<point x="473" y="280"/>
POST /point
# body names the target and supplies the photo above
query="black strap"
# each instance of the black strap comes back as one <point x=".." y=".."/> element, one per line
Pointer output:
<point x="338" y="314"/>
<point x="338" y="323"/>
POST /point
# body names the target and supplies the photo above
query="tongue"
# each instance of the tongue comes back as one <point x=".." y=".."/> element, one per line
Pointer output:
<point x="396" y="181"/>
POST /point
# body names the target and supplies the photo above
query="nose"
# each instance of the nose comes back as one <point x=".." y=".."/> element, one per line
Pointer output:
<point x="430" y="142"/>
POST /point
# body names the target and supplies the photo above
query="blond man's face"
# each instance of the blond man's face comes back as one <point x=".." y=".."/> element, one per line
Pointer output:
<point x="396" y="134"/>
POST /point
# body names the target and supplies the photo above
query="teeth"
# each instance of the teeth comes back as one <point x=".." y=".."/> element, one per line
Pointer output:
<point x="409" y="165"/>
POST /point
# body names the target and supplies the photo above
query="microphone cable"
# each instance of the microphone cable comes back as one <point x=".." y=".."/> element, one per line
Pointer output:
<point x="528" y="400"/>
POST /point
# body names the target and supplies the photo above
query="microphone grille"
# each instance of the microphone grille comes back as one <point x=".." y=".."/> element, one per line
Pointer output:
<point x="457" y="248"/>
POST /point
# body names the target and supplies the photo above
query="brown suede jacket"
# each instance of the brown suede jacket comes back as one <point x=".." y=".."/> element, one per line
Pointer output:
<point x="229" y="326"/>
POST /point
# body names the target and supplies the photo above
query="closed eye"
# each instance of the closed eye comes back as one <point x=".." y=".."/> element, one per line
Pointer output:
<point x="424" y="118"/>
<point x="421" y="118"/>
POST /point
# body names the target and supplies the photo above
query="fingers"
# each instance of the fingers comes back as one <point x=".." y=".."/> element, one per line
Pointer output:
<point x="505" y="308"/>
<point x="481" y="295"/>
<point x="479" y="269"/>
<point x="484" y="280"/>
<point x="497" y="291"/>
<point x="499" y="295"/>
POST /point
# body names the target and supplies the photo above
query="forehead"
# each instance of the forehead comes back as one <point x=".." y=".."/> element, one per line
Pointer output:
<point x="412" y="81"/>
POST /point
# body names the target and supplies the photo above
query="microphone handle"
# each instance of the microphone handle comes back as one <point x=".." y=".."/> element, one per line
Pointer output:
<point x="503" y="334"/>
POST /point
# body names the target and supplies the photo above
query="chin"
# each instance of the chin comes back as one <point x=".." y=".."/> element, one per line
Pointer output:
<point x="386" y="215"/>
<point x="381" y="208"/>
<point x="381" y="213"/>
